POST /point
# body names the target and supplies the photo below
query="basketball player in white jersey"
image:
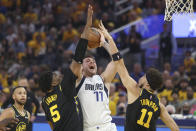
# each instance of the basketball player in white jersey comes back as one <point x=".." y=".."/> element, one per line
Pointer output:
<point x="93" y="91"/>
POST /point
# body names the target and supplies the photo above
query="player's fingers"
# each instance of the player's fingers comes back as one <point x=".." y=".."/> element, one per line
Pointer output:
<point x="7" y="129"/>
<point x="102" y="24"/>
<point x="15" y="120"/>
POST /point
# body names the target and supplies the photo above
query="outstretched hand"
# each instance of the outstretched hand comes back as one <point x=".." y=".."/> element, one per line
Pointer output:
<point x="88" y="23"/>
<point x="104" y="30"/>
<point x="102" y="38"/>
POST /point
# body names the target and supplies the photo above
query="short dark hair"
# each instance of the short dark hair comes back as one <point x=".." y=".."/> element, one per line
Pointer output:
<point x="154" y="78"/>
<point x="12" y="92"/>
<point x="89" y="56"/>
<point x="45" y="81"/>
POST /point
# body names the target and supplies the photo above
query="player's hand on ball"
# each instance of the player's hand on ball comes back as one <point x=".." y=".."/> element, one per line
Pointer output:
<point x="104" y="30"/>
<point x="88" y="23"/>
<point x="102" y="38"/>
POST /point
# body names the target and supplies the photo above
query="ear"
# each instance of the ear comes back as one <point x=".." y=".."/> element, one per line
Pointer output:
<point x="82" y="69"/>
<point x="13" y="96"/>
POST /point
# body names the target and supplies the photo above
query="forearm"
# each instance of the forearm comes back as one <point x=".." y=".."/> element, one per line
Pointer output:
<point x="111" y="46"/>
<point x="167" y="119"/>
<point x="79" y="56"/>
<point x="124" y="75"/>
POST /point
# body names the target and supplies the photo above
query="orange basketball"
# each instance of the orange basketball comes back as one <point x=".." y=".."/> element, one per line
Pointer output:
<point x="93" y="38"/>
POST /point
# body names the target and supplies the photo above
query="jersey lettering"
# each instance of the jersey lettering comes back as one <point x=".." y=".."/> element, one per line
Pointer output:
<point x="149" y="103"/>
<point x="51" y="98"/>
<point x="94" y="87"/>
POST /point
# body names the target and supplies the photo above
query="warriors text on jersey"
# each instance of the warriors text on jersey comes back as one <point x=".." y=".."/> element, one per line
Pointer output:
<point x="23" y="121"/>
<point x="94" y="100"/>
<point x="142" y="114"/>
<point x="62" y="107"/>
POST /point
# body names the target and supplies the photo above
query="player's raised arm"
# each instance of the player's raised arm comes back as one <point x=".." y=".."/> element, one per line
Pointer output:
<point x="127" y="81"/>
<point x="110" y="71"/>
<point x="117" y="63"/>
<point x="166" y="118"/>
<point x="82" y="46"/>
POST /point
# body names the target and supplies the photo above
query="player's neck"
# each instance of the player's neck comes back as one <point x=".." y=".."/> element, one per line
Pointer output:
<point x="88" y="75"/>
<point x="19" y="107"/>
<point x="149" y="89"/>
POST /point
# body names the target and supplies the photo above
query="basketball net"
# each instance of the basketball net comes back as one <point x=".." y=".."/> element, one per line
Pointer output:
<point x="178" y="7"/>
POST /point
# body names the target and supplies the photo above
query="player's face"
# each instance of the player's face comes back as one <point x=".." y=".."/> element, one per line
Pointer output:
<point x="142" y="82"/>
<point x="89" y="66"/>
<point x="20" y="96"/>
<point x="56" y="79"/>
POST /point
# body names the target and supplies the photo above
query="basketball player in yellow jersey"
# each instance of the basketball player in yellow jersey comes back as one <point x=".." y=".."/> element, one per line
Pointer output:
<point x="143" y="107"/>
<point x="19" y="95"/>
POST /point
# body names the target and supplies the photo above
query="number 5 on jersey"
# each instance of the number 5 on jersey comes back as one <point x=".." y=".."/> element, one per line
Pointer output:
<point x="55" y="113"/>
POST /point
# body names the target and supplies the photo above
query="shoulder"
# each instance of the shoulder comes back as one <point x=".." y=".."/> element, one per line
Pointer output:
<point x="7" y="113"/>
<point x="99" y="77"/>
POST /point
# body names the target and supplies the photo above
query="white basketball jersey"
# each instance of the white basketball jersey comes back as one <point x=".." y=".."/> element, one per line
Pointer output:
<point x="94" y="101"/>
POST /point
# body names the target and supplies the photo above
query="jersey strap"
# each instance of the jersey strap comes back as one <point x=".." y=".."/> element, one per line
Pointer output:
<point x="106" y="90"/>
<point x="17" y="112"/>
<point x="80" y="85"/>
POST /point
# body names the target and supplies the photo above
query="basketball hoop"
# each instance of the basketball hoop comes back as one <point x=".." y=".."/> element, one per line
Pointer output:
<point x="178" y="7"/>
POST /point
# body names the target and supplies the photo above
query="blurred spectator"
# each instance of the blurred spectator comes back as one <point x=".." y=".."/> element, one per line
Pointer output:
<point x="171" y="109"/>
<point x="166" y="75"/>
<point x="122" y="103"/>
<point x="113" y="99"/>
<point x="190" y="99"/>
<point x="163" y="100"/>
<point x="176" y="78"/>
<point x="167" y="67"/>
<point x="168" y="88"/>
<point x="188" y="61"/>
<point x="181" y="70"/>
<point x="182" y="89"/>
<point x="137" y="72"/>
<point x="136" y="8"/>
<point x="148" y="8"/>
<point x="114" y="94"/>
<point x="133" y="42"/>
<point x="185" y="109"/>
<point x="121" y="109"/>
<point x="2" y="98"/>
<point x="167" y="45"/>
<point x="175" y="102"/>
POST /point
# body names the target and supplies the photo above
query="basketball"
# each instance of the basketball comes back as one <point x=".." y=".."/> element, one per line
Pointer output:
<point x="93" y="38"/>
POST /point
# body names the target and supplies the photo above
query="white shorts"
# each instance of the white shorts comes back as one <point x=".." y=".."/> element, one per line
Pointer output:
<point x="105" y="127"/>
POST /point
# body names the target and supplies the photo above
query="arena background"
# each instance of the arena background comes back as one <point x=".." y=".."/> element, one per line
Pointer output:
<point x="39" y="34"/>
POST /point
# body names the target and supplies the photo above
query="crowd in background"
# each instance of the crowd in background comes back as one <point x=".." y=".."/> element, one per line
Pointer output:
<point x="37" y="35"/>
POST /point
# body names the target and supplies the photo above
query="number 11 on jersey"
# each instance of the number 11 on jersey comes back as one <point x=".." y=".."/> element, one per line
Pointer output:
<point x="141" y="120"/>
<point x="99" y="95"/>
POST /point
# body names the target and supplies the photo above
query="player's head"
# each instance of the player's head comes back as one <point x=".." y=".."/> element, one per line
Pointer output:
<point x="89" y="66"/>
<point x="19" y="95"/>
<point x="23" y="82"/>
<point x="153" y="78"/>
<point x="48" y="80"/>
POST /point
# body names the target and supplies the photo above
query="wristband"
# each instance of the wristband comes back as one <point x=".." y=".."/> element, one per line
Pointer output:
<point x="117" y="56"/>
